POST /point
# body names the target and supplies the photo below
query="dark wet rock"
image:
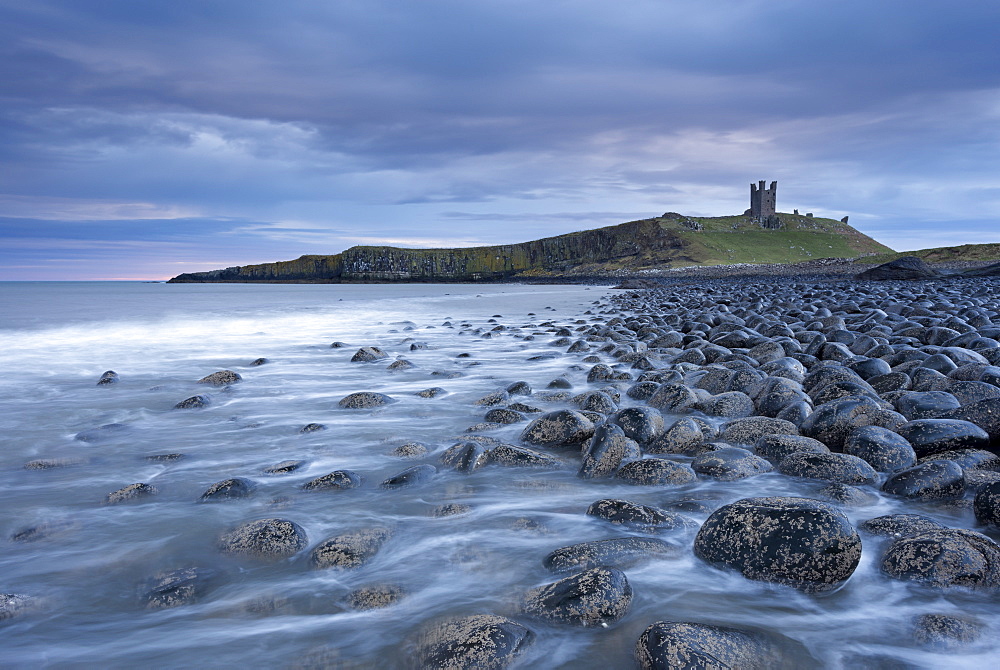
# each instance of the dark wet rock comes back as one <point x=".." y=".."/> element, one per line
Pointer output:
<point x="259" y="361"/>
<point x="312" y="428"/>
<point x="51" y="463"/>
<point x="375" y="596"/>
<point x="936" y="480"/>
<point x="108" y="378"/>
<point x="175" y="588"/>
<point x="986" y="505"/>
<point x="368" y="355"/>
<point x="101" y="433"/>
<point x="15" y="604"/>
<point x="338" y="480"/>
<point x="930" y="436"/>
<point x="833" y="422"/>
<point x="682" y="645"/>
<point x="595" y="597"/>
<point x="883" y="449"/>
<point x="906" y="267"/>
<point x="338" y="345"/>
<point x="600" y="372"/>
<point x="731" y="404"/>
<point x="944" y="558"/>
<point x="842" y="468"/>
<point x="523" y="409"/>
<point x="985" y="414"/>
<point x="410" y="450"/>
<point x="42" y="531"/>
<point x="521" y="457"/>
<point x="560" y="383"/>
<point x="130" y="493"/>
<point x="976" y="479"/>
<point x="847" y="495"/>
<point x="479" y="642"/>
<point x="466" y="457"/>
<point x="899" y="525"/>
<point x="194" y="402"/>
<point x="562" y="428"/>
<point x="683" y="437"/>
<point x="776" y="447"/>
<point x="621" y="552"/>
<point x="349" y="550"/>
<point x="229" y="489"/>
<point x="265" y="539"/>
<point x="500" y="397"/>
<point x="641" y="424"/>
<point x="637" y="516"/>
<point x="165" y="458"/>
<point x="642" y="391"/>
<point x="503" y="415"/>
<point x="944" y="632"/>
<point x="969" y="393"/>
<point x="400" y="364"/>
<point x="221" y="378"/>
<point x="365" y="400"/>
<point x="450" y="509"/>
<point x="730" y="463"/>
<point x="609" y="449"/>
<point x="595" y="401"/>
<point x="925" y="404"/>
<point x="967" y="459"/>
<point x="673" y="398"/>
<point x="413" y="476"/>
<point x="891" y="381"/>
<point x="519" y="388"/>
<point x="284" y="467"/>
<point x="433" y="392"/>
<point x="806" y="544"/>
<point x="750" y="429"/>
<point x="656" y="472"/>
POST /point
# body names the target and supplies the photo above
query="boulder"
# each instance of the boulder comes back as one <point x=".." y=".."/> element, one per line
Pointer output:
<point x="641" y="424"/>
<point x="221" y="378"/>
<point x="349" y="550"/>
<point x="881" y="448"/>
<point x="595" y="597"/>
<point x="806" y="544"/>
<point x="899" y="525"/>
<point x="265" y="539"/>
<point x="478" y="642"/>
<point x="842" y="468"/>
<point x="338" y="480"/>
<point x="521" y="457"/>
<point x="934" y="480"/>
<point x="637" y="516"/>
<point x="729" y="464"/>
<point x="368" y="355"/>
<point x="930" y="436"/>
<point x="608" y="450"/>
<point x="412" y="476"/>
<point x="130" y="493"/>
<point x="656" y="472"/>
<point x="986" y="505"/>
<point x="365" y="400"/>
<point x="175" y="588"/>
<point x="466" y="457"/>
<point x="229" y="489"/>
<point x="621" y="552"/>
<point x="906" y="267"/>
<point x="945" y="558"/>
<point x="562" y="428"/>
<point x="776" y="447"/>
<point x="669" y="645"/>
<point x="683" y="437"/>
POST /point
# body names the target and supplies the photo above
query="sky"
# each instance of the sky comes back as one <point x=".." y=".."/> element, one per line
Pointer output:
<point x="140" y="140"/>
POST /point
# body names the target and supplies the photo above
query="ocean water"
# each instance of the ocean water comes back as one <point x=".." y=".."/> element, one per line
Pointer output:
<point x="88" y="565"/>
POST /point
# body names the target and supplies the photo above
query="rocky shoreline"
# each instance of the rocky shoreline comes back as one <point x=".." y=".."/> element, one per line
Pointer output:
<point x="851" y="393"/>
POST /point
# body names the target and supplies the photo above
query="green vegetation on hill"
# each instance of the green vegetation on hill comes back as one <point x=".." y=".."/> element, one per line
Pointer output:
<point x="663" y="242"/>
<point x="965" y="252"/>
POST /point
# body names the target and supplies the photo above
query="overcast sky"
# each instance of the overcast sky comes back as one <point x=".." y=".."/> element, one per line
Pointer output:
<point x="139" y="140"/>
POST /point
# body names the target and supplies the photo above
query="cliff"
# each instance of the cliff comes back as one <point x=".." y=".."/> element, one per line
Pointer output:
<point x="672" y="240"/>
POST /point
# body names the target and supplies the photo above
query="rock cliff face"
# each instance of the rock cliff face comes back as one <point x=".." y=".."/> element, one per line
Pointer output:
<point x="665" y="241"/>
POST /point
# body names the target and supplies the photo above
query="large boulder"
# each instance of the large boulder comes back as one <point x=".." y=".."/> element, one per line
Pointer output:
<point x="943" y="558"/>
<point x="730" y="463"/>
<point x="931" y="436"/>
<point x="609" y="449"/>
<point x="806" y="544"/>
<point x="478" y="642"/>
<point x="928" y="481"/>
<point x="349" y="550"/>
<point x="656" y="472"/>
<point x="562" y="428"/>
<point x="907" y="267"/>
<point x="621" y="552"/>
<point x="265" y="539"/>
<point x="670" y="645"/>
<point x="595" y="597"/>
<point x="637" y="516"/>
<point x="842" y="468"/>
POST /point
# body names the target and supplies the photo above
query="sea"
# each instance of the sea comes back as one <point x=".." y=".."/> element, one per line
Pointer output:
<point x="87" y="567"/>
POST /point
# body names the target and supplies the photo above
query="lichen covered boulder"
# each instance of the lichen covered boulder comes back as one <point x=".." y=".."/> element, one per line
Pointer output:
<point x="621" y="552"/>
<point x="562" y="428"/>
<point x="806" y="544"/>
<point x="693" y="646"/>
<point x="598" y="596"/>
<point x="265" y="539"/>
<point x="479" y="642"/>
<point x="349" y="550"/>
<point x="944" y="558"/>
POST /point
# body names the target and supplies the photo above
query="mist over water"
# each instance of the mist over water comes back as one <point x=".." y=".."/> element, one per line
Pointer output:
<point x="93" y="565"/>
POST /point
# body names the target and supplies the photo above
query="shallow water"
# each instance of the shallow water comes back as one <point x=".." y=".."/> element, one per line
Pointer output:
<point x="90" y="571"/>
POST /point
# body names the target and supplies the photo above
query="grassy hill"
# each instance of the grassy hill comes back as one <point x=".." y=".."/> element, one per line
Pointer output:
<point x="672" y="240"/>
<point x="965" y="252"/>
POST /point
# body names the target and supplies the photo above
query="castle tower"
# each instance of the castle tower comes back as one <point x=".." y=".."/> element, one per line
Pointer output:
<point x="762" y="201"/>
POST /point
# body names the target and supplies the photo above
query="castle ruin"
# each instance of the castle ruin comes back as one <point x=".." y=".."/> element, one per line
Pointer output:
<point x="762" y="204"/>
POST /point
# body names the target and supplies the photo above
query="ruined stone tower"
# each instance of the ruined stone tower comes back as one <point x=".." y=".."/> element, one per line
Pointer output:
<point x="762" y="204"/>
